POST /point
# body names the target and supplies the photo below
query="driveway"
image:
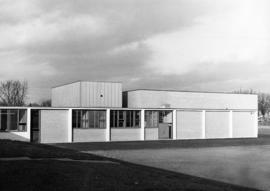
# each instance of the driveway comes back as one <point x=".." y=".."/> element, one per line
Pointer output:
<point x="241" y="165"/>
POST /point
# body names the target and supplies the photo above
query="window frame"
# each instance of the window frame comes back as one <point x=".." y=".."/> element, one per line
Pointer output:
<point x="133" y="116"/>
<point x="82" y="119"/>
<point x="20" y="115"/>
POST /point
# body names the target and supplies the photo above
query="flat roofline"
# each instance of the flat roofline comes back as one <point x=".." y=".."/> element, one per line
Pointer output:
<point x="187" y="91"/>
<point x="73" y="82"/>
<point x="123" y="108"/>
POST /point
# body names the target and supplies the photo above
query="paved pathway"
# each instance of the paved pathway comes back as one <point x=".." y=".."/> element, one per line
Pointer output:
<point x="59" y="159"/>
<point x="242" y="165"/>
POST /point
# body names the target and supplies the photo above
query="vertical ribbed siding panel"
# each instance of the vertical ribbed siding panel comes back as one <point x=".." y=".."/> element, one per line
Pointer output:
<point x="119" y="95"/>
<point x="103" y="94"/>
<point x="217" y="124"/>
<point x="91" y="94"/>
<point x="106" y="94"/>
<point x="113" y="97"/>
<point x="66" y="96"/>
<point x="189" y="125"/>
<point x="243" y="124"/>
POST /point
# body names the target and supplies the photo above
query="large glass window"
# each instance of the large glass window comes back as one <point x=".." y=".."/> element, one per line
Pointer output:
<point x="125" y="119"/>
<point x="13" y="119"/>
<point x="151" y="119"/>
<point x="88" y="119"/>
<point x="154" y="118"/>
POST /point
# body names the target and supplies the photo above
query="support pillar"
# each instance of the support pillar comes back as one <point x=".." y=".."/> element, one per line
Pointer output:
<point x="28" y="123"/>
<point x="174" y="124"/>
<point x="203" y="124"/>
<point x="255" y="123"/>
<point x="142" y="124"/>
<point x="70" y="132"/>
<point x="108" y="128"/>
<point x="231" y="124"/>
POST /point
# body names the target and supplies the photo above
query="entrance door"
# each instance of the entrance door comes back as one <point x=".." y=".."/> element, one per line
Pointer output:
<point x="165" y="125"/>
<point x="35" y="126"/>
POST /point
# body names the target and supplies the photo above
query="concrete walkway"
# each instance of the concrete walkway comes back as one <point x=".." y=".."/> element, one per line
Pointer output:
<point x="59" y="159"/>
<point x="247" y="166"/>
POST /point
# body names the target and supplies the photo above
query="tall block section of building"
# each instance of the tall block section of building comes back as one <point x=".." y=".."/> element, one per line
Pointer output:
<point x="88" y="94"/>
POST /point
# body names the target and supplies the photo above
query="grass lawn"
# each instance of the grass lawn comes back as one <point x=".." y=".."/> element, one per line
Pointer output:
<point x="44" y="172"/>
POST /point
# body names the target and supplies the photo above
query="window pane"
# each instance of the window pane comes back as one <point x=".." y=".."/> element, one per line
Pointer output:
<point x="74" y="118"/>
<point x="137" y="118"/>
<point x="128" y="117"/>
<point x="3" y="120"/>
<point x="102" y="119"/>
<point x="85" y="119"/>
<point x="155" y="119"/>
<point x="22" y="119"/>
<point x="92" y="119"/>
<point x="120" y="119"/>
<point x="13" y="119"/>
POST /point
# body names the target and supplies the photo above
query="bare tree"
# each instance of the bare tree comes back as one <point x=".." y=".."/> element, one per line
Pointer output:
<point x="263" y="100"/>
<point x="263" y="103"/>
<point x="46" y="103"/>
<point x="13" y="93"/>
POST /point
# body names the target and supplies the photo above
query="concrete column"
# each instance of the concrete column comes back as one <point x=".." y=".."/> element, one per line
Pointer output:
<point x="108" y="128"/>
<point x="256" y="124"/>
<point x="203" y="124"/>
<point x="70" y="132"/>
<point x="142" y="124"/>
<point x="28" y="124"/>
<point x="174" y="124"/>
<point x="231" y="124"/>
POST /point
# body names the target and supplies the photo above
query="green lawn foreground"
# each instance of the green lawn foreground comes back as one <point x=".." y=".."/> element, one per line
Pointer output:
<point x="50" y="174"/>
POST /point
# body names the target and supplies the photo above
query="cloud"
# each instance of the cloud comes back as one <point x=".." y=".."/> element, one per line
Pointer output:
<point x="236" y="35"/>
<point x="171" y="44"/>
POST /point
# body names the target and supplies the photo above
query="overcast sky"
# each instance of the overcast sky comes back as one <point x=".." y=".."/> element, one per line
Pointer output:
<point x="201" y="45"/>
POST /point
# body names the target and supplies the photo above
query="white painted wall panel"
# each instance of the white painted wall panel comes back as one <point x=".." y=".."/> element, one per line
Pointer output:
<point x="175" y="99"/>
<point x="217" y="125"/>
<point x="243" y="124"/>
<point x="88" y="94"/>
<point x="53" y="126"/>
<point x="128" y="134"/>
<point x="100" y="94"/>
<point x="151" y="133"/>
<point x="66" y="95"/>
<point x="89" y="135"/>
<point x="189" y="125"/>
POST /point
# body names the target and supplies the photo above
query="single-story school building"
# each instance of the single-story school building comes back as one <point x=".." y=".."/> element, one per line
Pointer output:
<point x="99" y="111"/>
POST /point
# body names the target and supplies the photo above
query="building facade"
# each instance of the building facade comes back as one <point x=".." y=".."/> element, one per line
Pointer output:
<point x="93" y="112"/>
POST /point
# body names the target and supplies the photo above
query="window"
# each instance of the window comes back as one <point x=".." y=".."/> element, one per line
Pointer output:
<point x="86" y="119"/>
<point x="151" y="119"/>
<point x="165" y="116"/>
<point x="125" y="119"/>
<point x="154" y="118"/>
<point x="13" y="119"/>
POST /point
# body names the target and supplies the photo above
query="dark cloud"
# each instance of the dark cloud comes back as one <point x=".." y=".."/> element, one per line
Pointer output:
<point x="53" y="42"/>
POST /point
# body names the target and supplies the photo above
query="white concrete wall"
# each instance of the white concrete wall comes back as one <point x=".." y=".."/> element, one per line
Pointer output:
<point x="175" y="99"/>
<point x="66" y="95"/>
<point x="217" y="125"/>
<point x="243" y="124"/>
<point x="88" y="94"/>
<point x="101" y="94"/>
<point x="125" y="134"/>
<point x="189" y="125"/>
<point x="54" y="126"/>
<point x="151" y="133"/>
<point x="89" y="135"/>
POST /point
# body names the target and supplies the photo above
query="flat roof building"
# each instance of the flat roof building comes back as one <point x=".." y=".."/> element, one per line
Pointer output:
<point x="93" y="112"/>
